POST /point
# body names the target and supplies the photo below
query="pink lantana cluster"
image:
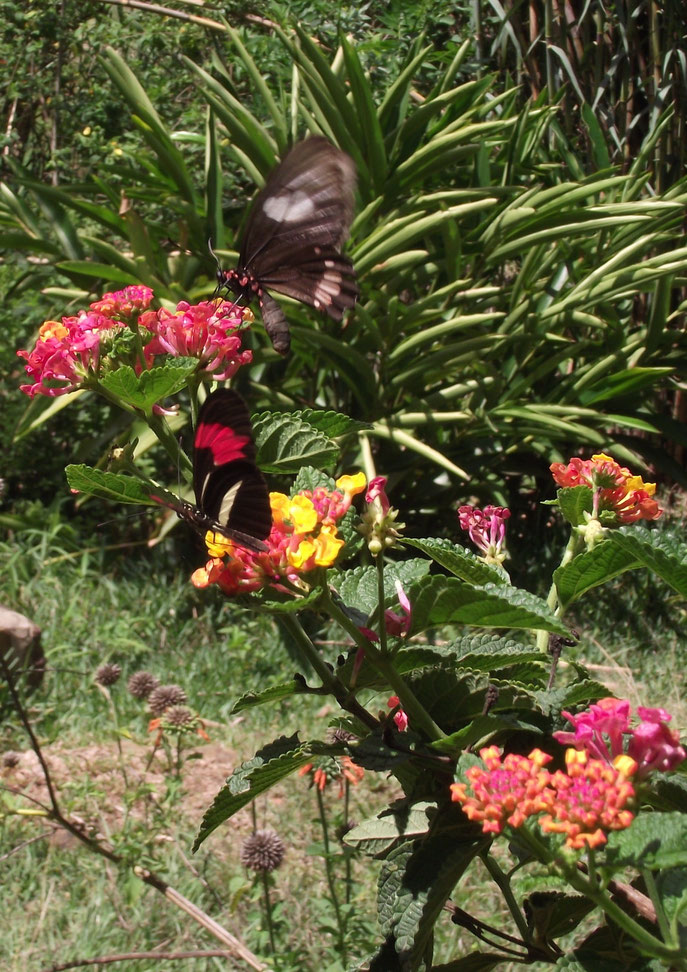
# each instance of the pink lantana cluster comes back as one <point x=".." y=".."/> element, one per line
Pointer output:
<point x="70" y="351"/>
<point x="604" y="731"/>
<point x="616" y="490"/>
<point x="209" y="331"/>
<point x="304" y="536"/>
<point x="487" y="530"/>
<point x="586" y="801"/>
<point x="74" y="351"/>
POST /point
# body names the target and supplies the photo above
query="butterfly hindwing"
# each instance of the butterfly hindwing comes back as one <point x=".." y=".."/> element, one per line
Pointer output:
<point x="231" y="492"/>
<point x="296" y="227"/>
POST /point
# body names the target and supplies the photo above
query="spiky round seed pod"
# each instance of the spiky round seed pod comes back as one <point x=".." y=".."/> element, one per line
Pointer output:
<point x="263" y="851"/>
<point x="108" y="674"/>
<point x="141" y="684"/>
<point x="165" y="696"/>
<point x="10" y="759"/>
<point x="178" y="716"/>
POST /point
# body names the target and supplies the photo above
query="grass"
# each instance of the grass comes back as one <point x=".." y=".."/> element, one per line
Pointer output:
<point x="140" y="612"/>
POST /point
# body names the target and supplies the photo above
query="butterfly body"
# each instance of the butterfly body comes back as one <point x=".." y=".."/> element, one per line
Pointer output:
<point x="295" y="230"/>
<point x="232" y="497"/>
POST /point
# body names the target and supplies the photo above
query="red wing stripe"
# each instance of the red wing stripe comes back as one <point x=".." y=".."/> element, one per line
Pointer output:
<point x="224" y="444"/>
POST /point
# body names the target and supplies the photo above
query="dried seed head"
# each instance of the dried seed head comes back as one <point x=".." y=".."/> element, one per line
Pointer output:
<point x="178" y="716"/>
<point x="10" y="759"/>
<point x="339" y="735"/>
<point x="263" y="851"/>
<point x="108" y="674"/>
<point x="141" y="684"/>
<point x="165" y="696"/>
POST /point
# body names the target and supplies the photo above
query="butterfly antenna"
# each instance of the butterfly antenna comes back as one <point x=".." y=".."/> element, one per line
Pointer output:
<point x="220" y="271"/>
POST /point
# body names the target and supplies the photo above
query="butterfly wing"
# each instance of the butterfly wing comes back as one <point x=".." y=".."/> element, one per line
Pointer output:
<point x="231" y="492"/>
<point x="297" y="224"/>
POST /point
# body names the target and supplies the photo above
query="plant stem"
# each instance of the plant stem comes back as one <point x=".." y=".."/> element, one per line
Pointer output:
<point x="380" y="601"/>
<point x="330" y="875"/>
<point x="661" y="916"/>
<point x="346" y="849"/>
<point x="416" y="712"/>
<point x="572" y="549"/>
<point x="268" y="911"/>
<point x="503" y="883"/>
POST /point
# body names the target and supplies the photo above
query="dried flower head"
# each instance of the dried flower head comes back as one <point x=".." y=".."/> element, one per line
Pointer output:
<point x="178" y="716"/>
<point x="164" y="696"/>
<point x="141" y="684"/>
<point x="263" y="851"/>
<point x="108" y="674"/>
<point x="339" y="735"/>
<point x="10" y="759"/>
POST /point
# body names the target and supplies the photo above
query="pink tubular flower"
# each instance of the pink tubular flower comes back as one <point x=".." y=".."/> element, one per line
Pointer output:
<point x="604" y="731"/>
<point x="67" y="352"/>
<point x="209" y="331"/>
<point x="487" y="529"/>
<point x="379" y="526"/>
<point x="398" y="625"/>
<point x="400" y="717"/>
<point x="377" y="491"/>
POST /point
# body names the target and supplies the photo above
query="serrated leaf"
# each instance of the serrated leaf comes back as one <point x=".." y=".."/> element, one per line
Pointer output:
<point x="269" y="766"/>
<point x="401" y="820"/>
<point x="285" y="443"/>
<point x="553" y="913"/>
<point x="107" y="485"/>
<point x="277" y="603"/>
<point x="329" y="423"/>
<point x="459" y="561"/>
<point x="357" y="588"/>
<point x="653" y="841"/>
<point x="574" y="502"/>
<point x="145" y="390"/>
<point x="591" y="569"/>
<point x="663" y="552"/>
<point x="414" y="884"/>
<point x="273" y="694"/>
<point x="672" y="891"/>
<point x="448" y="600"/>
<point x="553" y="701"/>
<point x="310" y="478"/>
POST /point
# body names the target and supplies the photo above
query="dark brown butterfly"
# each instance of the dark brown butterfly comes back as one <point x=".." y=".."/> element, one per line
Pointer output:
<point x="296" y="227"/>
<point x="232" y="497"/>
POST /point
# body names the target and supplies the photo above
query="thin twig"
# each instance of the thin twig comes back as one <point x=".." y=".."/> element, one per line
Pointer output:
<point x="132" y="956"/>
<point x="168" y="12"/>
<point x="25" y="843"/>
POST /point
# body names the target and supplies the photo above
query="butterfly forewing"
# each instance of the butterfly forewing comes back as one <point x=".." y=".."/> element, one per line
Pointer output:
<point x="231" y="492"/>
<point x="296" y="226"/>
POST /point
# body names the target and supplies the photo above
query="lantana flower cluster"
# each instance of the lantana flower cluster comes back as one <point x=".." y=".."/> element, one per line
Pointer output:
<point x="74" y="351"/>
<point x="304" y="536"/>
<point x="616" y="490"/>
<point x="586" y="801"/>
<point x="594" y="795"/>
<point x="487" y="530"/>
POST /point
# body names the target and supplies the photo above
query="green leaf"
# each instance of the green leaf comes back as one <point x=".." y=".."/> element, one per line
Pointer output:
<point x="662" y="551"/>
<point x="357" y="588"/>
<point x="285" y="443"/>
<point x="401" y="820"/>
<point x="591" y="569"/>
<point x="553" y="701"/>
<point x="278" y="603"/>
<point x="448" y="600"/>
<point x="552" y="913"/>
<point x="329" y="423"/>
<point x="107" y="485"/>
<point x="653" y="841"/>
<point x="472" y="962"/>
<point x="574" y="502"/>
<point x="273" y="694"/>
<point x="672" y="891"/>
<point x="150" y="387"/>
<point x="414" y="884"/>
<point x="459" y="561"/>
<point x="269" y="766"/>
<point x="310" y="478"/>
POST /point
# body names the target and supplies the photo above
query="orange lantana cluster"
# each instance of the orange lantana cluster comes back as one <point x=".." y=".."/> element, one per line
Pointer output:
<point x="616" y="490"/>
<point x="583" y="803"/>
<point x="304" y="536"/>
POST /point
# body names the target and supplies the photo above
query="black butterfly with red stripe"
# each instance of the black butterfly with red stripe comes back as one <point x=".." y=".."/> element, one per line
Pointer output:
<point x="294" y="234"/>
<point x="232" y="497"/>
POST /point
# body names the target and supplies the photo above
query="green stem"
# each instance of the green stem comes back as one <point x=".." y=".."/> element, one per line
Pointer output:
<point x="503" y="883"/>
<point x="330" y="874"/>
<point x="167" y="438"/>
<point x="661" y="916"/>
<point x="268" y="911"/>
<point x="647" y="942"/>
<point x="417" y="714"/>
<point x="380" y="601"/>
<point x="572" y="549"/>
<point x="346" y="849"/>
<point x="330" y="682"/>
